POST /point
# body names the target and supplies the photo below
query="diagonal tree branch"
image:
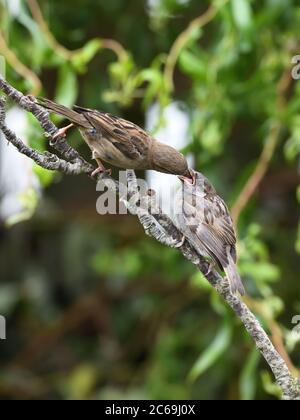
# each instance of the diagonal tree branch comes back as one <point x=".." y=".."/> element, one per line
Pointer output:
<point x="155" y="224"/>
<point x="28" y="103"/>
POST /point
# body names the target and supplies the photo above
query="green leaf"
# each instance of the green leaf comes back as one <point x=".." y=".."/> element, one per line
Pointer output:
<point x="262" y="271"/>
<point x="45" y="176"/>
<point x="192" y="65"/>
<point x="125" y="264"/>
<point x="67" y="86"/>
<point x="292" y="145"/>
<point x="2" y="66"/>
<point x="213" y="352"/>
<point x="298" y="193"/>
<point x="40" y="45"/>
<point x="155" y="84"/>
<point x="211" y="137"/>
<point x="242" y="13"/>
<point x="297" y="245"/>
<point x="86" y="54"/>
<point x="198" y="280"/>
<point x="29" y="201"/>
<point x="121" y="70"/>
<point x="249" y="375"/>
<point x="270" y="386"/>
<point x="79" y="384"/>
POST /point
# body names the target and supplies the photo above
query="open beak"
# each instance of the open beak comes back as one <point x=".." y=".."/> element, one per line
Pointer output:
<point x="189" y="178"/>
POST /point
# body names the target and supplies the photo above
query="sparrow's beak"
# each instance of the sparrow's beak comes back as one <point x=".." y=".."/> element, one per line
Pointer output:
<point x="189" y="178"/>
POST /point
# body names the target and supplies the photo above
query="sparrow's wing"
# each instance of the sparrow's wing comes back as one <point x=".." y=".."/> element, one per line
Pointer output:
<point x="127" y="137"/>
<point x="215" y="230"/>
<point x="222" y="222"/>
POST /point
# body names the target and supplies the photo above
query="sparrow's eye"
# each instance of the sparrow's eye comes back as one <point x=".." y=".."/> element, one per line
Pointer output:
<point x="93" y="132"/>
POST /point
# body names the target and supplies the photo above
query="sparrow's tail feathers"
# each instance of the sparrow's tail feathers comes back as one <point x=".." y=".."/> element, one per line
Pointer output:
<point x="233" y="276"/>
<point x="70" y="114"/>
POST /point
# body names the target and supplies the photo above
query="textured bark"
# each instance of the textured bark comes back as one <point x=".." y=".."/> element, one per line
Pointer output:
<point x="154" y="222"/>
<point x="28" y="103"/>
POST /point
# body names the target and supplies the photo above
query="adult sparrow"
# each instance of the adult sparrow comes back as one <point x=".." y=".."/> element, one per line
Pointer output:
<point x="119" y="142"/>
<point x="203" y="218"/>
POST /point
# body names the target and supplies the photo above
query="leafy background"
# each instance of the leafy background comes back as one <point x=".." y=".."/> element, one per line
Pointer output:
<point x="94" y="308"/>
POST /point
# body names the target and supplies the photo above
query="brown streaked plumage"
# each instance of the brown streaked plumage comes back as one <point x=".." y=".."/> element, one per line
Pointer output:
<point x="120" y="142"/>
<point x="203" y="218"/>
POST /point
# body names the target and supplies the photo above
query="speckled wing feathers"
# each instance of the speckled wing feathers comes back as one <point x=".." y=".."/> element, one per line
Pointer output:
<point x="216" y="211"/>
<point x="210" y="228"/>
<point x="127" y="137"/>
<point x="215" y="228"/>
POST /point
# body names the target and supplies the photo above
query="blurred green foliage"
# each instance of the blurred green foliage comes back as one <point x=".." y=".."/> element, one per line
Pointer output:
<point x="97" y="310"/>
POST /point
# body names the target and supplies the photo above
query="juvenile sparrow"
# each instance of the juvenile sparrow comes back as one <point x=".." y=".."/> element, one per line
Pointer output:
<point x="203" y="218"/>
<point x="119" y="142"/>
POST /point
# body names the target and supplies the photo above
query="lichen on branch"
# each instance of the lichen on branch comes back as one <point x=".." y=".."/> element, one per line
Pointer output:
<point x="155" y="223"/>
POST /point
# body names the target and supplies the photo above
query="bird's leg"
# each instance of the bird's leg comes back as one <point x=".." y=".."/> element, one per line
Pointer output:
<point x="181" y="243"/>
<point x="62" y="132"/>
<point x="211" y="267"/>
<point x="101" y="169"/>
